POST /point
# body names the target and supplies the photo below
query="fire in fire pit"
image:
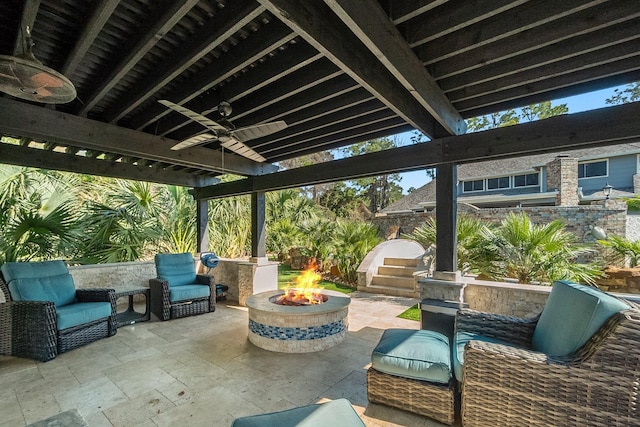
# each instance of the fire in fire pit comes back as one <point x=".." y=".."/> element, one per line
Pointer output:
<point x="306" y="290"/>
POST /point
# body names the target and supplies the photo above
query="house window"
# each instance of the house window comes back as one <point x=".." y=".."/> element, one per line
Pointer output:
<point x="477" y="185"/>
<point x="527" y="180"/>
<point x="496" y="183"/>
<point x="592" y="169"/>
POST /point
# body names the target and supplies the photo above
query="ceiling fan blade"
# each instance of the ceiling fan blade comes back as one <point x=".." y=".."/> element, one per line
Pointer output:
<point x="258" y="131"/>
<point x="239" y="148"/>
<point x="199" y="118"/>
<point x="203" y="138"/>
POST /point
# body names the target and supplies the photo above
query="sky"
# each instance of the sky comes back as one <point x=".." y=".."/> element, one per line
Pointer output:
<point x="576" y="104"/>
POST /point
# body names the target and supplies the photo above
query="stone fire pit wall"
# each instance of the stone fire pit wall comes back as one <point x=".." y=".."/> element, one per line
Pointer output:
<point x="297" y="329"/>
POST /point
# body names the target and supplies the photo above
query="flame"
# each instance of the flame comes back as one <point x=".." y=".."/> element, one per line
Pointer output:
<point x="306" y="289"/>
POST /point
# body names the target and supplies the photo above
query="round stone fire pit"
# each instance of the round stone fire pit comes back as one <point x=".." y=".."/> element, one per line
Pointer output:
<point x="297" y="329"/>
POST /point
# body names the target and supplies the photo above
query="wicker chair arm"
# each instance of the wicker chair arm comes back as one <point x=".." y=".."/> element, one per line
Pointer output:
<point x="512" y="329"/>
<point x="29" y="329"/>
<point x="95" y="295"/>
<point x="159" y="300"/>
<point x="206" y="280"/>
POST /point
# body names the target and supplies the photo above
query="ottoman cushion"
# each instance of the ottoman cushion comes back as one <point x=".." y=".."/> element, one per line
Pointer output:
<point x="418" y="354"/>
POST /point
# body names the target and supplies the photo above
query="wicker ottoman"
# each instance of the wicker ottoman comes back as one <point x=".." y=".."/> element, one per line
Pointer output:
<point x="411" y="370"/>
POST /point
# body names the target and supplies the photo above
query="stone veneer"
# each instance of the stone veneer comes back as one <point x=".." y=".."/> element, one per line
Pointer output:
<point x="622" y="280"/>
<point x="562" y="175"/>
<point x="297" y="329"/>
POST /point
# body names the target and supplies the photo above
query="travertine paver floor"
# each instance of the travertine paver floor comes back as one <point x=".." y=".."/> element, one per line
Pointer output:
<point x="201" y="371"/>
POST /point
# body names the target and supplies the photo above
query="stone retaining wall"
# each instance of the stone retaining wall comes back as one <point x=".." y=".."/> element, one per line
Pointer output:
<point x="622" y="280"/>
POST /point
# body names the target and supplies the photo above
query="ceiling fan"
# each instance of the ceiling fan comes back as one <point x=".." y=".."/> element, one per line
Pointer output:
<point x="24" y="77"/>
<point x="225" y="132"/>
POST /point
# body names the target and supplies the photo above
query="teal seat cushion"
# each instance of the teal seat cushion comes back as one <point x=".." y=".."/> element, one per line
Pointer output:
<point x="79" y="313"/>
<point x="460" y="340"/>
<point x="338" y="412"/>
<point x="572" y="314"/>
<point x="188" y="292"/>
<point x="59" y="289"/>
<point x="418" y="354"/>
<point x="176" y="269"/>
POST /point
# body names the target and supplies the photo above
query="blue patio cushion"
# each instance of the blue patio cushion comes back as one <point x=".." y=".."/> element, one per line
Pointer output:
<point x="571" y="315"/>
<point x="176" y="269"/>
<point x="79" y="313"/>
<point x="460" y="340"/>
<point x="338" y="412"/>
<point x="188" y="292"/>
<point x="29" y="270"/>
<point x="418" y="354"/>
<point x="59" y="289"/>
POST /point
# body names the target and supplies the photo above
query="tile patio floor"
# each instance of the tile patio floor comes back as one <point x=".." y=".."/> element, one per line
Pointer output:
<point x="201" y="371"/>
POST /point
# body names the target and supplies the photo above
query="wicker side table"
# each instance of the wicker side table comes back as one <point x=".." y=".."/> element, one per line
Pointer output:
<point x="130" y="315"/>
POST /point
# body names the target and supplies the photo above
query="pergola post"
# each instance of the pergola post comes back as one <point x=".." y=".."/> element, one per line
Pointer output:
<point x="202" y="221"/>
<point x="446" y="219"/>
<point x="258" y="226"/>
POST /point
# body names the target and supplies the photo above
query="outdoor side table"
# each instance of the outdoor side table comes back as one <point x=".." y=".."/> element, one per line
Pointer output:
<point x="130" y="315"/>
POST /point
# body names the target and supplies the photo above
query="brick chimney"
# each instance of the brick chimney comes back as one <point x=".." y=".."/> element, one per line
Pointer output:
<point x="562" y="175"/>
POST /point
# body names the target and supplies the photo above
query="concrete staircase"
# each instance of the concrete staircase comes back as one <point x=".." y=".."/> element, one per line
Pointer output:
<point x="395" y="277"/>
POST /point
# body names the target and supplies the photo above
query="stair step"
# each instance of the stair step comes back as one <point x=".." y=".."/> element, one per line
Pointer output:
<point x="388" y="290"/>
<point x="394" y="270"/>
<point x="393" y="281"/>
<point x="401" y="262"/>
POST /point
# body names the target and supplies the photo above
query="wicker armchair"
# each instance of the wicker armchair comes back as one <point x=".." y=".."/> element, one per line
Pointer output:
<point x="506" y="382"/>
<point x="34" y="327"/>
<point x="178" y="291"/>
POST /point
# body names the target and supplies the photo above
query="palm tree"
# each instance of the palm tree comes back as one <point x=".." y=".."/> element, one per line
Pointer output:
<point x="535" y="252"/>
<point x="352" y="241"/>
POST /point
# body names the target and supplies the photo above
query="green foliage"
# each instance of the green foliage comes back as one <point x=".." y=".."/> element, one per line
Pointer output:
<point x="630" y="93"/>
<point x="352" y="241"/>
<point x="542" y="110"/>
<point x="469" y="231"/>
<point x="411" y="313"/>
<point x="533" y="252"/>
<point x="625" y="252"/>
<point x="633" y="204"/>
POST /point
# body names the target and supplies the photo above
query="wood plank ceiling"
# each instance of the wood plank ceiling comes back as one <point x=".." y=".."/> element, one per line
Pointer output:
<point x="337" y="71"/>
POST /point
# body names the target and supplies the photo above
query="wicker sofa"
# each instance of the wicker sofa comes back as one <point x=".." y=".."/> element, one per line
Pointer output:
<point x="44" y="315"/>
<point x="578" y="363"/>
<point x="178" y="291"/>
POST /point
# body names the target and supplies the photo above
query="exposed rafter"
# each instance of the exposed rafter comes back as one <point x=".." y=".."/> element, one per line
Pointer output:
<point x="382" y="38"/>
<point x="27" y="19"/>
<point x="320" y="27"/>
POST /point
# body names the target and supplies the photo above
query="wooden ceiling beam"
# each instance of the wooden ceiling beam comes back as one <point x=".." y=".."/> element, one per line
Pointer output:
<point x="572" y="48"/>
<point x="235" y="60"/>
<point x="27" y="19"/>
<point x="607" y="126"/>
<point x="402" y="11"/>
<point x="227" y="22"/>
<point x="547" y="88"/>
<point x="101" y="13"/>
<point x="295" y="84"/>
<point x="21" y="119"/>
<point x="291" y="59"/>
<point x="523" y="43"/>
<point x="382" y="38"/>
<point x="453" y="16"/>
<point x="319" y="26"/>
<point x="578" y="66"/>
<point x="42" y="159"/>
<point x="158" y="27"/>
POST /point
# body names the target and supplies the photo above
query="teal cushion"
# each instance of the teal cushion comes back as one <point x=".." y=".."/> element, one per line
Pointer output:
<point x="338" y="412"/>
<point x="176" y="269"/>
<point x="77" y="314"/>
<point x="59" y="289"/>
<point x="572" y="314"/>
<point x="418" y="354"/>
<point x="29" y="270"/>
<point x="461" y="339"/>
<point x="188" y="292"/>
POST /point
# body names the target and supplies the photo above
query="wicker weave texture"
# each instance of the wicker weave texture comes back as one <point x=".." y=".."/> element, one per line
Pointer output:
<point x="596" y="386"/>
<point x="162" y="307"/>
<point x="435" y="401"/>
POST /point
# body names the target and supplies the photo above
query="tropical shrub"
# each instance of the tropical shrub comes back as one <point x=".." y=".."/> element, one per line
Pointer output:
<point x="624" y="251"/>
<point x="352" y="241"/>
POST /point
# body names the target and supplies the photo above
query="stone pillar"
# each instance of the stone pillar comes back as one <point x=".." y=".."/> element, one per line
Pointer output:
<point x="636" y="183"/>
<point x="562" y="175"/>
<point x="254" y="278"/>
